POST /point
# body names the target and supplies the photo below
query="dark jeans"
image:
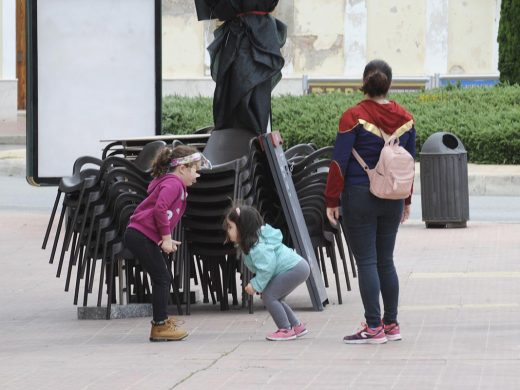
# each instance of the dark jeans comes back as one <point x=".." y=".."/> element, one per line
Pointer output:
<point x="151" y="259"/>
<point x="371" y="224"/>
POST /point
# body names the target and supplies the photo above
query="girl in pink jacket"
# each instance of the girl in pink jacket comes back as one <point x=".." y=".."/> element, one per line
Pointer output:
<point x="149" y="232"/>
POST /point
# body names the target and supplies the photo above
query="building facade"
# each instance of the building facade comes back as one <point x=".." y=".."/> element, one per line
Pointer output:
<point x="419" y="38"/>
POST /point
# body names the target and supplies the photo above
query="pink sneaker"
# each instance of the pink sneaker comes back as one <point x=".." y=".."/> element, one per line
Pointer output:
<point x="393" y="332"/>
<point x="367" y="336"/>
<point x="300" y="330"/>
<point x="282" y="335"/>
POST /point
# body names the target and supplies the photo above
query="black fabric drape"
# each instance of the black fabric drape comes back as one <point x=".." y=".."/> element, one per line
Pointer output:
<point x="246" y="61"/>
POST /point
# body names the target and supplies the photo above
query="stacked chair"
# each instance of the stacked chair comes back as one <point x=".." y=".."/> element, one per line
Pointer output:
<point x="101" y="195"/>
<point x="99" y="199"/>
<point x="309" y="169"/>
<point x="239" y="172"/>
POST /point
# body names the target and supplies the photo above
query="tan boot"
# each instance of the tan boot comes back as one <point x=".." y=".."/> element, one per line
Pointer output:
<point x="175" y="321"/>
<point x="168" y="331"/>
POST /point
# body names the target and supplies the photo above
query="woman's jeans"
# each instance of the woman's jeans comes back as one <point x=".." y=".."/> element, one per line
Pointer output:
<point x="371" y="224"/>
<point x="152" y="260"/>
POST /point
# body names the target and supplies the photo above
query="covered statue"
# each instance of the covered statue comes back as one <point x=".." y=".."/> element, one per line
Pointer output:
<point x="246" y="61"/>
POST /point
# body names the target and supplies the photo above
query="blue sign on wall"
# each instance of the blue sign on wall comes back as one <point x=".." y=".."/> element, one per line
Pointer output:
<point x="468" y="83"/>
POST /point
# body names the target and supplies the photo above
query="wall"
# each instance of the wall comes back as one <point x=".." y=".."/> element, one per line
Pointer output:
<point x="337" y="38"/>
<point x="471" y="36"/>
<point x="1" y="39"/>
<point x="8" y="84"/>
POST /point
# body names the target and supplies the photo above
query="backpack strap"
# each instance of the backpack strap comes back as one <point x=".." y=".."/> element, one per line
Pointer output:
<point x="386" y="138"/>
<point x="360" y="160"/>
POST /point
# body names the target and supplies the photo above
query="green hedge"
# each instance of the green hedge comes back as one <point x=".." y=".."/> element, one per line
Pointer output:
<point x="487" y="119"/>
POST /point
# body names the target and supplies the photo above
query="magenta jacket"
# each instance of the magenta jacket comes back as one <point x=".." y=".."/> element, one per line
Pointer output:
<point x="159" y="213"/>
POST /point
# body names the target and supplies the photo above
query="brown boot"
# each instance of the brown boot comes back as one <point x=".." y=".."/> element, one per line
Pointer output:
<point x="175" y="321"/>
<point x="167" y="331"/>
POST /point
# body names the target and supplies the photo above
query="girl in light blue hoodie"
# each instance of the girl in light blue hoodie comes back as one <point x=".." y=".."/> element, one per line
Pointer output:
<point x="278" y="269"/>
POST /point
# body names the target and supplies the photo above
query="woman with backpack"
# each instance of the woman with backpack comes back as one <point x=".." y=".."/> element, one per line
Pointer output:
<point x="371" y="221"/>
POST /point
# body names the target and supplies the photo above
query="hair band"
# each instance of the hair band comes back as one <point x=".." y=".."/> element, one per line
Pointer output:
<point x="195" y="157"/>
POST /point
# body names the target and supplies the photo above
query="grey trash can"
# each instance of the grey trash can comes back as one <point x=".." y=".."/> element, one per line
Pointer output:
<point x="444" y="181"/>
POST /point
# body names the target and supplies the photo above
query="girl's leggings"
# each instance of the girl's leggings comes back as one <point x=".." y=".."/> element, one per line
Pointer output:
<point x="278" y="288"/>
<point x="152" y="260"/>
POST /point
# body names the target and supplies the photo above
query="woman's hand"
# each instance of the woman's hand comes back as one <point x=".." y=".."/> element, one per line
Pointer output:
<point x="406" y="213"/>
<point x="169" y="246"/>
<point x="333" y="215"/>
<point x="249" y="289"/>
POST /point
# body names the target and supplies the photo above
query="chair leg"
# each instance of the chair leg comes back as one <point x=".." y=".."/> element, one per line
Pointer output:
<point x="323" y="266"/>
<point x="79" y="276"/>
<point x="203" y="280"/>
<point x="249" y="297"/>
<point x="187" y="292"/>
<point x="232" y="279"/>
<point x="215" y="276"/>
<point x="350" y="254"/>
<point x="224" y="303"/>
<point x="209" y="275"/>
<point x="110" y="283"/>
<point x="88" y="250"/>
<point x="69" y="273"/>
<point x="66" y="242"/>
<point x="332" y="254"/>
<point x="57" y="236"/>
<point x="177" y="298"/>
<point x="51" y="219"/>
<point x="139" y="288"/>
<point x="81" y="230"/>
<point x="87" y="284"/>
<point x="92" y="274"/>
<point x="70" y="227"/>
<point x="60" y="264"/>
<point x="174" y="287"/>
<point x="337" y="238"/>
<point x="102" y="268"/>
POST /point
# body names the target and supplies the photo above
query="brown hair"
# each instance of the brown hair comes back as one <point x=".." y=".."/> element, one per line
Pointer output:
<point x="161" y="164"/>
<point x="248" y="221"/>
<point x="377" y="78"/>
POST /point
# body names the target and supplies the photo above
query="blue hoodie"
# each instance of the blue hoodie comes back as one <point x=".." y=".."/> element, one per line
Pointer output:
<point x="269" y="257"/>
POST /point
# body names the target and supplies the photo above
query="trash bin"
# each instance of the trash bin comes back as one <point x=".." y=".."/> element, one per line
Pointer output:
<point x="444" y="181"/>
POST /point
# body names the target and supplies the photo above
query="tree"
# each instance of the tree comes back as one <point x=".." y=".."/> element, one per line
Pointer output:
<point x="509" y="42"/>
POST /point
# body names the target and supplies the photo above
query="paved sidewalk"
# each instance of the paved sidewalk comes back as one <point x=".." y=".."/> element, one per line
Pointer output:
<point x="460" y="309"/>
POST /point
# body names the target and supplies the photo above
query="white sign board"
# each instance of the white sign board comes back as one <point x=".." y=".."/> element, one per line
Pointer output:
<point x="95" y="72"/>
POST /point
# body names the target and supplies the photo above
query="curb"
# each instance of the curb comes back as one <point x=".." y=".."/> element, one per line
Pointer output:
<point x="483" y="180"/>
<point x="12" y="162"/>
<point x="14" y="139"/>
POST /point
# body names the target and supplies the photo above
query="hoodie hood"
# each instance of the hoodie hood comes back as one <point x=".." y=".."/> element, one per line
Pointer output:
<point x="270" y="236"/>
<point x="387" y="117"/>
<point x="163" y="179"/>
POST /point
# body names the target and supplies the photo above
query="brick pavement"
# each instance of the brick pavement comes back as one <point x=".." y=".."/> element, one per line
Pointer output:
<point x="460" y="306"/>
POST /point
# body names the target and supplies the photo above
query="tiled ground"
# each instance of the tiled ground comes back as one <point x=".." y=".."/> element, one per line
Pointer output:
<point x="460" y="309"/>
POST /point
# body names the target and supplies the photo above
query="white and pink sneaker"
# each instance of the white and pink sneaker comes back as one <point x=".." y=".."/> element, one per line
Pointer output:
<point x="300" y="330"/>
<point x="282" y="335"/>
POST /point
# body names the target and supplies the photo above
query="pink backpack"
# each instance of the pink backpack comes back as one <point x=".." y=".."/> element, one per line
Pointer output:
<point x="393" y="175"/>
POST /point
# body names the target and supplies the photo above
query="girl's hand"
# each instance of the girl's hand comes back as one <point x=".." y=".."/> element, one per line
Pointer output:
<point x="406" y="213"/>
<point x="333" y="215"/>
<point x="249" y="289"/>
<point x="169" y="246"/>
